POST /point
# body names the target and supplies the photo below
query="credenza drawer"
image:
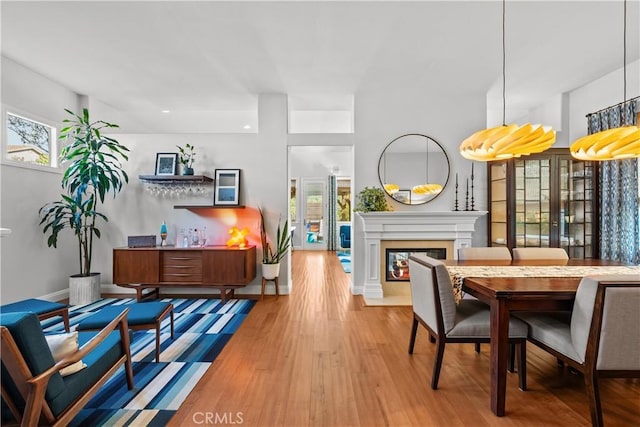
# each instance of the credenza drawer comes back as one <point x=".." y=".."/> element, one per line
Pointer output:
<point x="182" y="266"/>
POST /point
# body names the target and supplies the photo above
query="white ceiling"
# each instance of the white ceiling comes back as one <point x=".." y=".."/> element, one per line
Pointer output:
<point x="209" y="55"/>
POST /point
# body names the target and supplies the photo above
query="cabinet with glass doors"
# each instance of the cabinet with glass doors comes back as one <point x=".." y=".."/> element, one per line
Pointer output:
<point x="544" y="200"/>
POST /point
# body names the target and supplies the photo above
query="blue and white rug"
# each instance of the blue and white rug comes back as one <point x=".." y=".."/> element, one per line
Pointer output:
<point x="345" y="260"/>
<point x="202" y="328"/>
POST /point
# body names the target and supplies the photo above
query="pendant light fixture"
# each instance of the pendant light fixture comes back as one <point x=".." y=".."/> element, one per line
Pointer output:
<point x="612" y="144"/>
<point x="506" y="141"/>
<point x="427" y="188"/>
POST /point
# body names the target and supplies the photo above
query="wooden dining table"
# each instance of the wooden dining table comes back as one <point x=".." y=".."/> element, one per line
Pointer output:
<point x="505" y="295"/>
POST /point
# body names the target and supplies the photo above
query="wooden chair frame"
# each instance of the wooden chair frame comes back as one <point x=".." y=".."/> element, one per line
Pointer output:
<point x="32" y="389"/>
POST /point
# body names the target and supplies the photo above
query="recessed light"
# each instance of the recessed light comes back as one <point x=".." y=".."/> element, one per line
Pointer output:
<point x="246" y="127"/>
<point x="166" y="111"/>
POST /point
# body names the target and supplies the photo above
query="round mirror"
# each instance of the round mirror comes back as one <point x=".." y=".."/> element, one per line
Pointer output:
<point x="413" y="169"/>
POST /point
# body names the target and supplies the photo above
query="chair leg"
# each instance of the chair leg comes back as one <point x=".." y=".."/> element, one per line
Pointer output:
<point x="438" y="363"/>
<point x="477" y="347"/>
<point x="512" y="357"/>
<point x="414" y="331"/>
<point x="593" y="394"/>
<point x="522" y="364"/>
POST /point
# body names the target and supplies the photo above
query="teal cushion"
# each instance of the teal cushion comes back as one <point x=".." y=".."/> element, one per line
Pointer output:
<point x="143" y="313"/>
<point x="33" y="305"/>
<point x="27" y="332"/>
<point x="99" y="361"/>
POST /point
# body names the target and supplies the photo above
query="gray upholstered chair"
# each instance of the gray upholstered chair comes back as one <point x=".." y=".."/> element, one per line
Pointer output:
<point x="539" y="253"/>
<point x="491" y="253"/>
<point x="601" y="338"/>
<point x="468" y="322"/>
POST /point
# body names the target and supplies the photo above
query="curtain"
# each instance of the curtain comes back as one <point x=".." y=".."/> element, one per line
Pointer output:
<point x="619" y="198"/>
<point x="332" y="214"/>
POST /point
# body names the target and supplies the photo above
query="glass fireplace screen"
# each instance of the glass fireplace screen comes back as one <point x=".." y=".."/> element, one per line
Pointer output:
<point x="397" y="261"/>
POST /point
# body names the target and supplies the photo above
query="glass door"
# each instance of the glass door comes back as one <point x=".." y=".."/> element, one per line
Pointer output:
<point x="533" y="204"/>
<point x="313" y="196"/>
<point x="499" y="207"/>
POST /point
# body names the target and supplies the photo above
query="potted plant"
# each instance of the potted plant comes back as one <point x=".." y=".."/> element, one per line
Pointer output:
<point x="94" y="169"/>
<point x="372" y="199"/>
<point x="271" y="256"/>
<point x="187" y="157"/>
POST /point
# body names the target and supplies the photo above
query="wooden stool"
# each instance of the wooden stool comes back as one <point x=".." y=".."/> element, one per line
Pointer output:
<point x="264" y="284"/>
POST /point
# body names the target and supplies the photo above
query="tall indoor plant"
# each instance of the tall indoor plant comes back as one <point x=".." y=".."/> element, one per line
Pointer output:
<point x="271" y="257"/>
<point x="93" y="169"/>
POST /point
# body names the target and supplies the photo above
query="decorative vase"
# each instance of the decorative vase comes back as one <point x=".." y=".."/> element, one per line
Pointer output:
<point x="270" y="271"/>
<point x="84" y="289"/>
<point x="187" y="171"/>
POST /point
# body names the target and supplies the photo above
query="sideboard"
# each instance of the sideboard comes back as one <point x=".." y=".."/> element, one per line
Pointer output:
<point x="218" y="267"/>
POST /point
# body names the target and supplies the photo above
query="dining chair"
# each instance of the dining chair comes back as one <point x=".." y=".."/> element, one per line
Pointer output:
<point x="447" y="322"/>
<point x="490" y="253"/>
<point x="539" y="253"/>
<point x="601" y="339"/>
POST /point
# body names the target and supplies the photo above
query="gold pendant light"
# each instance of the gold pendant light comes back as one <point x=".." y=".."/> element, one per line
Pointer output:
<point x="612" y="144"/>
<point x="426" y="189"/>
<point x="504" y="142"/>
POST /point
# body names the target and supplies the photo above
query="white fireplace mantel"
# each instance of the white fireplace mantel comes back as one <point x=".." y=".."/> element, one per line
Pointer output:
<point x="456" y="226"/>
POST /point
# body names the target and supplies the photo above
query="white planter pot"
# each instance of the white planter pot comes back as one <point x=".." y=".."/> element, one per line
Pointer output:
<point x="270" y="271"/>
<point x="84" y="289"/>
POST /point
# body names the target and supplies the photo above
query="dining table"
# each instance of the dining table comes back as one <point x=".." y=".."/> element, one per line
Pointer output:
<point x="522" y="285"/>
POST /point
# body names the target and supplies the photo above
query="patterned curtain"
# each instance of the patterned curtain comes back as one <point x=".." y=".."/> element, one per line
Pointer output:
<point x="332" y="224"/>
<point x="619" y="198"/>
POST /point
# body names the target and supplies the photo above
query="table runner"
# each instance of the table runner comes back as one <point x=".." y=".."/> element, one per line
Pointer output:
<point x="459" y="272"/>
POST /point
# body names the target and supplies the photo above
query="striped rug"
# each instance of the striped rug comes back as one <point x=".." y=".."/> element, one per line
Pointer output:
<point x="345" y="260"/>
<point x="202" y="328"/>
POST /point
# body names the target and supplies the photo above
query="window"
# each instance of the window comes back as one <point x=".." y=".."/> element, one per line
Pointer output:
<point x="344" y="199"/>
<point x="30" y="142"/>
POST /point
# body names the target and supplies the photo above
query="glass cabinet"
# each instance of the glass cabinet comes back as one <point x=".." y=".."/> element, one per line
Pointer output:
<point x="545" y="200"/>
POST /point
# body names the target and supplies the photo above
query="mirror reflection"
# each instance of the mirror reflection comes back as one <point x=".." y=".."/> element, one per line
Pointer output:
<point x="413" y="169"/>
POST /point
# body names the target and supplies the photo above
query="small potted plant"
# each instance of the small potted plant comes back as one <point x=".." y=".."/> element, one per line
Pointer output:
<point x="271" y="257"/>
<point x="187" y="157"/>
<point x="371" y="199"/>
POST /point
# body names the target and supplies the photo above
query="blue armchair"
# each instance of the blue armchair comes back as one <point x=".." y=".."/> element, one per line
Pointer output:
<point x="32" y="386"/>
<point x="345" y="236"/>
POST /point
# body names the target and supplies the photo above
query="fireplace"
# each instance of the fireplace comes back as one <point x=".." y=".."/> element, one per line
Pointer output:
<point x="397" y="261"/>
<point x="406" y="229"/>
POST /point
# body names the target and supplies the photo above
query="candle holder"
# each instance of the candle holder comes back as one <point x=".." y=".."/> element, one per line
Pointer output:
<point x="466" y="197"/>
<point x="472" y="200"/>
<point x="455" y="205"/>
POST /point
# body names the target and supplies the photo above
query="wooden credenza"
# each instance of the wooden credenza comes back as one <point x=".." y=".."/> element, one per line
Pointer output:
<point x="217" y="267"/>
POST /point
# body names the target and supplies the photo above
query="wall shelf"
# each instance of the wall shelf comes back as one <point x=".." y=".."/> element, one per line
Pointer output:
<point x="176" y="185"/>
<point x="203" y="207"/>
<point x="176" y="179"/>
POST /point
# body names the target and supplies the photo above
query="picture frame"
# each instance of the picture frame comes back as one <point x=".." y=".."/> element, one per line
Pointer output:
<point x="166" y="163"/>
<point x="227" y="187"/>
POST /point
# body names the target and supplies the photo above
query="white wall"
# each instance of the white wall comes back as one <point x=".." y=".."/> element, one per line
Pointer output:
<point x="28" y="268"/>
<point x="601" y="93"/>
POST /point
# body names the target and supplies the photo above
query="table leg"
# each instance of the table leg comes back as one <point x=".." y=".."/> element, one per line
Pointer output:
<point x="499" y="354"/>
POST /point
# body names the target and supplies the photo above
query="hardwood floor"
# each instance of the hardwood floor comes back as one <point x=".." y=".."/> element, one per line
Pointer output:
<point x="319" y="357"/>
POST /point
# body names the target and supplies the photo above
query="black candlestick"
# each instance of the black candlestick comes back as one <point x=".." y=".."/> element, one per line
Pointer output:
<point x="472" y="201"/>
<point x="455" y="206"/>
<point x="466" y="197"/>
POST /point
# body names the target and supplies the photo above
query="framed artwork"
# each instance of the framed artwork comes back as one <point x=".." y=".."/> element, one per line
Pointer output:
<point x="403" y="196"/>
<point x="166" y="163"/>
<point x="227" y="187"/>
